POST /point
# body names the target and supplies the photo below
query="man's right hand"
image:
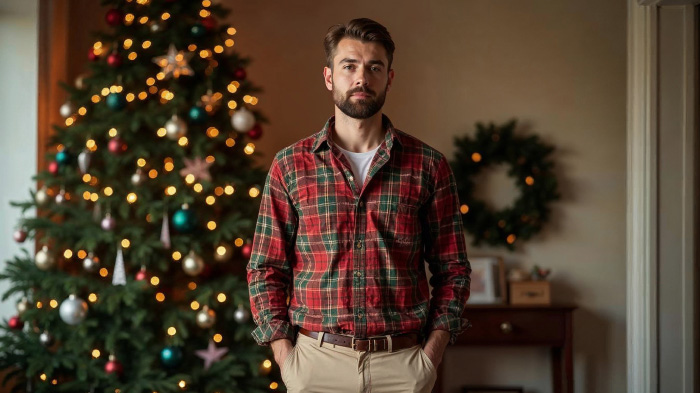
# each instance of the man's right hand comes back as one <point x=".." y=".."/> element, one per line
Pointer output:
<point x="281" y="348"/>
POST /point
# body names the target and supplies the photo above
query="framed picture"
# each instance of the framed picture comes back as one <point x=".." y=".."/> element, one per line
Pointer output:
<point x="488" y="280"/>
<point x="491" y="389"/>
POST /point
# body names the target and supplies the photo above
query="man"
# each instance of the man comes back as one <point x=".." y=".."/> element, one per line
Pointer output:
<point x="348" y="215"/>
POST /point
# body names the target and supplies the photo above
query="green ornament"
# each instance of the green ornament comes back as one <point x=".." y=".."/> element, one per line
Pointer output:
<point x="198" y="115"/>
<point x="171" y="356"/>
<point x="197" y="30"/>
<point x="184" y="219"/>
<point x="63" y="157"/>
<point x="116" y="101"/>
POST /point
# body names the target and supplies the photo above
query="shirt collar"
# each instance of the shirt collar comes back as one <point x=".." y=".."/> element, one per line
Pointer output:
<point x="324" y="140"/>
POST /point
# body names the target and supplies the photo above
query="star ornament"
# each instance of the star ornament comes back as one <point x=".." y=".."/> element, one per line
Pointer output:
<point x="211" y="355"/>
<point x="196" y="167"/>
<point x="174" y="63"/>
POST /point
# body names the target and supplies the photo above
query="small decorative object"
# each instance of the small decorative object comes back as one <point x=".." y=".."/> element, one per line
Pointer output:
<point x="114" y="17"/>
<point x="197" y="30"/>
<point x="211" y="355"/>
<point x="532" y="169"/>
<point x="156" y="26"/>
<point x="193" y="264"/>
<point x="165" y="232"/>
<point x="20" y="235"/>
<point x="116" y="101"/>
<point x="41" y="196"/>
<point x="80" y="83"/>
<point x="73" y="310"/>
<point x="53" y="167"/>
<point x="43" y="259"/>
<point x="206" y="317"/>
<point x="246" y="250"/>
<point x="516" y="274"/>
<point x="45" y="338"/>
<point x="63" y="157"/>
<point x="197" y="167"/>
<point x="22" y="306"/>
<point x="92" y="55"/>
<point x="67" y="109"/>
<point x="255" y="132"/>
<point x="183" y="219"/>
<point x="223" y="252"/>
<point x="114" y="60"/>
<point x="239" y="73"/>
<point x="171" y="356"/>
<point x="539" y="274"/>
<point x="174" y="63"/>
<point x="84" y="161"/>
<point x="175" y="128"/>
<point x="113" y="366"/>
<point x="241" y="315"/>
<point x="209" y="23"/>
<point x="242" y="120"/>
<point x="15" y="323"/>
<point x="108" y="223"/>
<point x="61" y="197"/>
<point x="142" y="274"/>
<point x="119" y="275"/>
<point x="487" y="280"/>
<point x="138" y="177"/>
<point x="90" y="263"/>
<point x="116" y="145"/>
<point x="198" y="115"/>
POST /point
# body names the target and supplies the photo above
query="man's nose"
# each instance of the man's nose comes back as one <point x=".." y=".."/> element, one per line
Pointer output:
<point x="361" y="78"/>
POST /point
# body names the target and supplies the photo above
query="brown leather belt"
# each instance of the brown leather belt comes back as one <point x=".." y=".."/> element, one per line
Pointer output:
<point x="373" y="344"/>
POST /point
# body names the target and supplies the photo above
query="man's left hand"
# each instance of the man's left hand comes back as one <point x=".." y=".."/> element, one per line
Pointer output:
<point x="435" y="346"/>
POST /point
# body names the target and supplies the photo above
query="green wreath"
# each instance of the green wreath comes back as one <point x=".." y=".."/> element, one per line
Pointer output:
<point x="532" y="170"/>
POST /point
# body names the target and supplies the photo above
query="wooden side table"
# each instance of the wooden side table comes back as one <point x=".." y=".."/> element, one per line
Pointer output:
<point x="507" y="325"/>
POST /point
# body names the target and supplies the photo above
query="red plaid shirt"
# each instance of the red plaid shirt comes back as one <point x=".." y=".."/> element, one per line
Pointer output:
<point x="331" y="256"/>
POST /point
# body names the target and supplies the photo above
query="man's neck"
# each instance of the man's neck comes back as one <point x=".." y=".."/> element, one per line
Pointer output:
<point x="357" y="135"/>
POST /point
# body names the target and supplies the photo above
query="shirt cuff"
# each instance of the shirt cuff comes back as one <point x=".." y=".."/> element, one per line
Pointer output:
<point x="273" y="330"/>
<point x="454" y="325"/>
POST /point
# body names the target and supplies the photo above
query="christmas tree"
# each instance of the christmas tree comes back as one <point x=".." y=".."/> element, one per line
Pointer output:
<point x="144" y="220"/>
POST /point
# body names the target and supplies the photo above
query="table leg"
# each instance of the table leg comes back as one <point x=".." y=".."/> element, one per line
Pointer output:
<point x="556" y="370"/>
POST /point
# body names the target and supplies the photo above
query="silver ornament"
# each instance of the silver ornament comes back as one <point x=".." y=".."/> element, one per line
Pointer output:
<point x="22" y="306"/>
<point x="61" y="197"/>
<point x="156" y="27"/>
<point x="243" y="120"/>
<point x="84" y="161"/>
<point x="73" y="310"/>
<point x="90" y="264"/>
<point x="108" y="223"/>
<point x="223" y="252"/>
<point x="43" y="259"/>
<point x="206" y="317"/>
<point x="80" y="81"/>
<point x="67" y="109"/>
<point x="241" y="314"/>
<point x="192" y="264"/>
<point x="175" y="128"/>
<point x="137" y="178"/>
<point x="41" y="197"/>
<point x="45" y="338"/>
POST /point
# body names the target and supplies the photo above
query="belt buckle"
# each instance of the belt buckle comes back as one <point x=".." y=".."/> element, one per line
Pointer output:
<point x="353" y="345"/>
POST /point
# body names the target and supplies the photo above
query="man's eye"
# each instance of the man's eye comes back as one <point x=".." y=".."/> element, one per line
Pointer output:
<point x="347" y="67"/>
<point x="375" y="68"/>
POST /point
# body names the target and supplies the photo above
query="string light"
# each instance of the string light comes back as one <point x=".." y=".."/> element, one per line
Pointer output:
<point x="230" y="142"/>
<point x="217" y="338"/>
<point x="160" y="296"/>
<point x="53" y="303"/>
<point x="254" y="192"/>
<point x="197" y="187"/>
<point x="155" y="281"/>
<point x="464" y="209"/>
<point x="211" y="225"/>
<point x="476" y="157"/>
<point x="274" y="385"/>
<point x="132" y="197"/>
<point x="153" y="173"/>
<point x="68" y="254"/>
<point x="192" y="285"/>
<point x="165" y="16"/>
<point x="529" y="180"/>
<point x="221" y="297"/>
<point x="194" y="305"/>
<point x="231" y="31"/>
<point x="107" y="191"/>
<point x="238" y="242"/>
<point x="95" y="353"/>
<point x="249" y="148"/>
<point x="82" y="254"/>
<point x="126" y="243"/>
<point x="92" y="298"/>
<point x="172" y="331"/>
<point x="104" y="272"/>
<point x="177" y="256"/>
<point x="182" y="384"/>
<point x="267" y="363"/>
<point x="127" y="43"/>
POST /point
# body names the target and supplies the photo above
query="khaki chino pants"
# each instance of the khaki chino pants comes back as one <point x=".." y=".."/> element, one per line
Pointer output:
<point x="327" y="368"/>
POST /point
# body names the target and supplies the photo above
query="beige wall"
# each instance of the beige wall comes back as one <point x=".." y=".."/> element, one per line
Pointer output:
<point x="559" y="66"/>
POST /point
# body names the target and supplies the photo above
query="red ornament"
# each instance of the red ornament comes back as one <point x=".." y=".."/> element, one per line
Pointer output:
<point x="20" y="235"/>
<point x="114" y="60"/>
<point x="15" y="323"/>
<point x="53" y="167"/>
<point x="209" y="23"/>
<point x="239" y="73"/>
<point x="114" y="17"/>
<point x="255" y="132"/>
<point x="92" y="56"/>
<point x="116" y="145"/>
<point x="246" y="250"/>
<point x="141" y="275"/>
<point x="113" y="366"/>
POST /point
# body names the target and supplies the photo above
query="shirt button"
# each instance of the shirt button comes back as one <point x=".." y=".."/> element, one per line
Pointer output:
<point x="362" y="203"/>
<point x="351" y="178"/>
<point x="358" y="244"/>
<point x="360" y="315"/>
<point x="358" y="274"/>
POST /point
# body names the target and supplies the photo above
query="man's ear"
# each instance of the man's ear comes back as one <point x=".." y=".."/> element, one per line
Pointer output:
<point x="328" y="78"/>
<point x="391" y="79"/>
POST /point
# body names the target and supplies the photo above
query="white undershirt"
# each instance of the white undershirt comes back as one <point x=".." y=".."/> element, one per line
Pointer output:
<point x="360" y="163"/>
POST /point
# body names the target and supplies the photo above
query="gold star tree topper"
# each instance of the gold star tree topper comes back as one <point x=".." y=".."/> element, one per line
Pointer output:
<point x="174" y="63"/>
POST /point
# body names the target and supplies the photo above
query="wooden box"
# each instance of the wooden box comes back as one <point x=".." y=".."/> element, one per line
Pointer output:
<point x="529" y="292"/>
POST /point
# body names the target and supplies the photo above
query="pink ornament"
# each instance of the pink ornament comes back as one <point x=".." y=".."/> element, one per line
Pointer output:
<point x="53" y="167"/>
<point x="141" y="275"/>
<point x="209" y="23"/>
<point x="116" y="145"/>
<point x="113" y="366"/>
<point x="239" y="74"/>
<point x="255" y="132"/>
<point x="20" y="235"/>
<point x="15" y="323"/>
<point x="114" y="17"/>
<point x="114" y="60"/>
<point x="246" y="250"/>
<point x="108" y="223"/>
<point x="92" y="56"/>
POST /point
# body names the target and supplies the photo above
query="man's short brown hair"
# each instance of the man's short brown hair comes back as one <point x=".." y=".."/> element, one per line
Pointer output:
<point x="362" y="29"/>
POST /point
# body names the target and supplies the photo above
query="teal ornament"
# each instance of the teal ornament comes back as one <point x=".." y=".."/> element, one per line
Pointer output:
<point x="62" y="157"/>
<point x="171" y="356"/>
<point x="197" y="30"/>
<point x="198" y="115"/>
<point x="184" y="219"/>
<point x="116" y="101"/>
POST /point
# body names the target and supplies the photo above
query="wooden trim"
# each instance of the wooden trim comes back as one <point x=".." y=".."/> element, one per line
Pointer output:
<point x="642" y="199"/>
<point x="659" y="3"/>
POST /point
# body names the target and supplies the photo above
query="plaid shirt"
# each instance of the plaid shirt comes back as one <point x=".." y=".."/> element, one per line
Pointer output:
<point x="331" y="256"/>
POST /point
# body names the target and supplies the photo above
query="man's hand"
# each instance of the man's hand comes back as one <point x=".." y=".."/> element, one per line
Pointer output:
<point x="435" y="346"/>
<point x="281" y="348"/>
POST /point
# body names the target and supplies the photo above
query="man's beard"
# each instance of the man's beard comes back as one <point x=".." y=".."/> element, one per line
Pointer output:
<point x="362" y="108"/>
